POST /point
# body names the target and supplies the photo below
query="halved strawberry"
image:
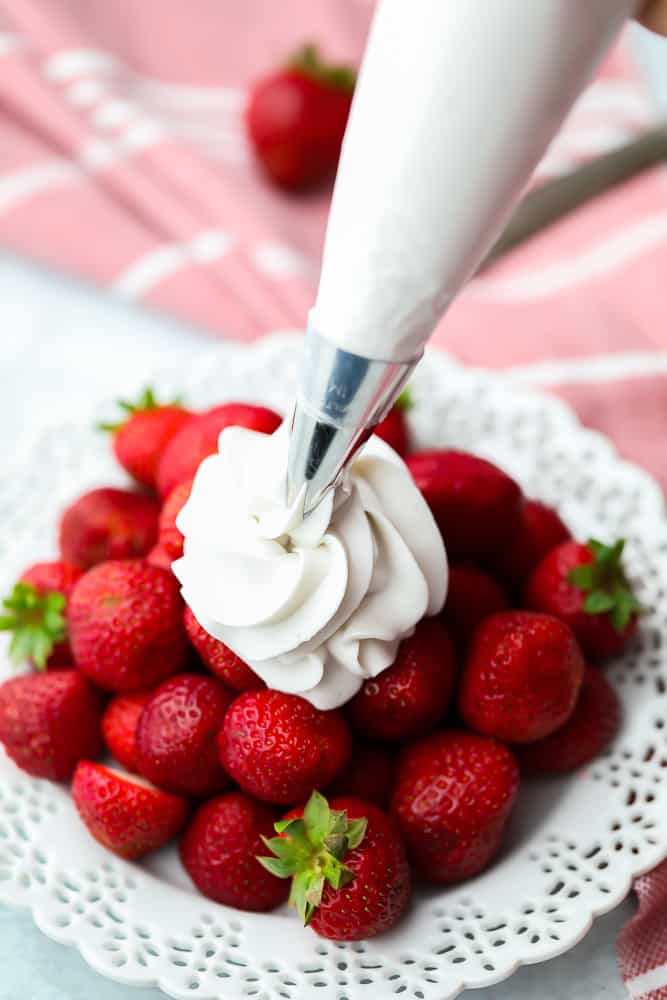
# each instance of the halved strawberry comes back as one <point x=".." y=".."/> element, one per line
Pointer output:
<point x="125" y="813"/>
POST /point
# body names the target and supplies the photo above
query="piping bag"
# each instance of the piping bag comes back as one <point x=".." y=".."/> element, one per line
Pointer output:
<point x="455" y="104"/>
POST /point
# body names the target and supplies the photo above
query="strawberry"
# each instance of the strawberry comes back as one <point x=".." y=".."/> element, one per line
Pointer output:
<point x="409" y="697"/>
<point x="586" y="586"/>
<point x="125" y="813"/>
<point x="169" y="537"/>
<point x="119" y="726"/>
<point x="144" y="432"/>
<point x="296" y="118"/>
<point x="219" y="658"/>
<point x="453" y="794"/>
<point x="35" y="613"/>
<point x="219" y="852"/>
<point x="176" y="736"/>
<point x="474" y="502"/>
<point x="108" y="524"/>
<point x="159" y="557"/>
<point x="537" y="530"/>
<point x="369" y="775"/>
<point x="125" y="623"/>
<point x="472" y="596"/>
<point x="50" y="721"/>
<point x="592" y="725"/>
<point x="522" y="676"/>
<point x="350" y="876"/>
<point x="394" y="428"/>
<point x="199" y="438"/>
<point x="278" y="747"/>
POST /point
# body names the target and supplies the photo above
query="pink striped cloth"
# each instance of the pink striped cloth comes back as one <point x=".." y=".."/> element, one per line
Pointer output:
<point x="123" y="160"/>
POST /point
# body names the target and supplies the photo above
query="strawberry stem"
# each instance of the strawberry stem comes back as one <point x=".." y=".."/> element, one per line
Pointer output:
<point x="607" y="588"/>
<point x="308" y="61"/>
<point x="147" y="400"/>
<point x="310" y="850"/>
<point x="36" y="621"/>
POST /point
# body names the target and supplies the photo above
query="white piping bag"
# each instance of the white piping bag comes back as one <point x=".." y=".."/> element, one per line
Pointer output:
<point x="455" y="104"/>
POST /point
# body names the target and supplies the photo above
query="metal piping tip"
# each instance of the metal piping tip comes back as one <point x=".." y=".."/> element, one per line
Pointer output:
<point x="342" y="396"/>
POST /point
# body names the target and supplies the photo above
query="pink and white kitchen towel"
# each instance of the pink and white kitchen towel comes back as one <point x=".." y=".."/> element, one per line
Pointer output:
<point x="123" y="160"/>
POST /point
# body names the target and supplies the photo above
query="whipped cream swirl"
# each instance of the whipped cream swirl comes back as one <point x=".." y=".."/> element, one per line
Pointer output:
<point x="315" y="604"/>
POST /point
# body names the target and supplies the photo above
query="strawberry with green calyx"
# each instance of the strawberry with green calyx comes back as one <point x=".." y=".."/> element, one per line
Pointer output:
<point x="37" y="622"/>
<point x="349" y="871"/>
<point x="296" y="118"/>
<point x="146" y="428"/>
<point x="310" y="850"/>
<point x="586" y="586"/>
<point x="394" y="428"/>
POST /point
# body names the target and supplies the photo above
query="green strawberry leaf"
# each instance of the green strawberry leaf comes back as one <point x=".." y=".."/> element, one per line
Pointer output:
<point x="317" y="817"/>
<point x="308" y="61"/>
<point x="311" y="851"/>
<point x="37" y="622"/>
<point x="605" y="585"/>
<point x="598" y="601"/>
<point x="147" y="400"/>
<point x="406" y="400"/>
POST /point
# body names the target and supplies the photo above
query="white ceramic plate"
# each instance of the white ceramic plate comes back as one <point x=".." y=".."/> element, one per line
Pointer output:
<point x="573" y="847"/>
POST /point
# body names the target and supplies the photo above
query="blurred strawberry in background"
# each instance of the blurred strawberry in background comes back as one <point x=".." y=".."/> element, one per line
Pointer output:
<point x="296" y="118"/>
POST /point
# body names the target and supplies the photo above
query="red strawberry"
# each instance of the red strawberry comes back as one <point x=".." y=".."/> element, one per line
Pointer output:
<point x="278" y="747"/>
<point x="125" y="623"/>
<point x="159" y="557"/>
<point x="454" y="792"/>
<point x="474" y="502"/>
<point x="537" y="530"/>
<point x="409" y="697"/>
<point x="123" y="812"/>
<point x="296" y="118"/>
<point x="48" y="722"/>
<point x="369" y="775"/>
<point x="169" y="537"/>
<point x="176" y="736"/>
<point x="219" y="658"/>
<point x="586" y="586"/>
<point x="394" y="428"/>
<point x="35" y="613"/>
<point x="522" y="676"/>
<point x="350" y="875"/>
<point x="144" y="432"/>
<point x="199" y="438"/>
<point x="108" y="524"/>
<point x="471" y="597"/>
<point x="219" y="852"/>
<point x="592" y="725"/>
<point x="119" y="726"/>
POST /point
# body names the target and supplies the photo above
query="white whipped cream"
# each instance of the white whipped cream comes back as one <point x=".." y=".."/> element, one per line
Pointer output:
<point x="314" y="605"/>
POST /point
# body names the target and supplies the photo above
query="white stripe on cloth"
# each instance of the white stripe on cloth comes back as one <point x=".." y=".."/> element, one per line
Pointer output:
<point x="576" y="269"/>
<point x="152" y="268"/>
<point x="72" y="63"/>
<point x="654" y="979"/>
<point x="29" y="181"/>
<point x="603" y="368"/>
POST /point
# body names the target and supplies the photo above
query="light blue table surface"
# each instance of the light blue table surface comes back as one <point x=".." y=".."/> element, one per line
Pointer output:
<point x="50" y="325"/>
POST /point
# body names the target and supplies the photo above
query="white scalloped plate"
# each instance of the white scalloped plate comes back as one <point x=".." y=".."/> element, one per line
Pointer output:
<point x="574" y="845"/>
